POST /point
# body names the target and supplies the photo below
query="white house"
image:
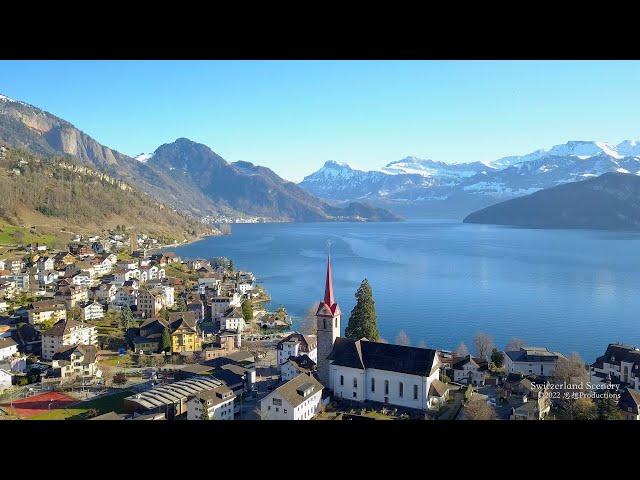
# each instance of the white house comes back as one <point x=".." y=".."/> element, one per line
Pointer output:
<point x="232" y="320"/>
<point x="531" y="360"/>
<point x="381" y="372"/>
<point x="295" y="366"/>
<point x="46" y="263"/>
<point x="92" y="311"/>
<point x="295" y="345"/>
<point x="220" y="304"/>
<point x="67" y="332"/>
<point x="621" y="363"/>
<point x="298" y="399"/>
<point x="125" y="296"/>
<point x="470" y="369"/>
<point x="218" y="402"/>
<point x="8" y="347"/>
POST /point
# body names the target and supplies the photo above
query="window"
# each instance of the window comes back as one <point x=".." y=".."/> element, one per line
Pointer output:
<point x="341" y="380"/>
<point x="386" y="387"/>
<point x="355" y="382"/>
<point x="355" y="394"/>
<point x="277" y="401"/>
<point x="373" y="384"/>
<point x="401" y="389"/>
<point x="415" y="392"/>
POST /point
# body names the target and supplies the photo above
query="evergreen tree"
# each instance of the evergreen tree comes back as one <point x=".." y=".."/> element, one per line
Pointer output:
<point x="608" y="409"/>
<point x="165" y="344"/>
<point x="362" y="322"/>
<point x="247" y="309"/>
<point x="125" y="317"/>
<point x="497" y="357"/>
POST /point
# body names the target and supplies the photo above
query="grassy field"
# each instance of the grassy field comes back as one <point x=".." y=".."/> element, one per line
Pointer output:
<point x="180" y="272"/>
<point x="78" y="411"/>
<point x="10" y="235"/>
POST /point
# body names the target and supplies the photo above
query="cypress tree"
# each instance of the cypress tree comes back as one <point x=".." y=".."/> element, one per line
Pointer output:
<point x="165" y="344"/>
<point x="362" y="322"/>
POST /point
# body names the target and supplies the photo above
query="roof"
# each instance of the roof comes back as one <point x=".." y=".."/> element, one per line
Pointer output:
<point x="298" y="389"/>
<point x="630" y="401"/>
<point x="302" y="363"/>
<point x="63" y="327"/>
<point x="617" y="353"/>
<point x="110" y="416"/>
<point x="328" y="306"/>
<point x="438" y="388"/>
<point x="363" y="354"/>
<point x="7" y="342"/>
<point x="172" y="393"/>
<point x="309" y="342"/>
<point x="90" y="353"/>
<point x="197" y="368"/>
<point x="533" y="354"/>
<point x="216" y="395"/>
<point x="479" y="363"/>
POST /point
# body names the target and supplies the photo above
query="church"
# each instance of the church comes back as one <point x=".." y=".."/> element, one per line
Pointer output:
<point x="362" y="370"/>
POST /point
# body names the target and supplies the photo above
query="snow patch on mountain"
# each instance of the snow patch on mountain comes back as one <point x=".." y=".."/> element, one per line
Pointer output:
<point x="143" y="157"/>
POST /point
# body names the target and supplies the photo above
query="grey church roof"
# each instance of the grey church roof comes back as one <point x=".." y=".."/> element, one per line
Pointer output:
<point x="363" y="354"/>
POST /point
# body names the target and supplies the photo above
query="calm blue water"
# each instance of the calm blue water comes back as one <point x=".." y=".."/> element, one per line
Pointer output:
<point x="442" y="281"/>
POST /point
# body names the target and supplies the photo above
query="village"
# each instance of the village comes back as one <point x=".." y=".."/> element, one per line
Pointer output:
<point x="117" y="328"/>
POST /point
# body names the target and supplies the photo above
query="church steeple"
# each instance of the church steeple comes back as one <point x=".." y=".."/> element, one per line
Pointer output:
<point x="328" y="327"/>
<point x="328" y="286"/>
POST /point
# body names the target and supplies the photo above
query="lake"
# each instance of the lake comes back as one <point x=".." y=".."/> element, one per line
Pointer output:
<point x="442" y="281"/>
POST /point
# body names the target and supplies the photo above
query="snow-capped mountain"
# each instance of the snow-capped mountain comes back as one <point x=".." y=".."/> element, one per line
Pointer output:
<point x="429" y="186"/>
<point x="435" y="169"/>
<point x="575" y="148"/>
<point x="338" y="181"/>
<point x="143" y="157"/>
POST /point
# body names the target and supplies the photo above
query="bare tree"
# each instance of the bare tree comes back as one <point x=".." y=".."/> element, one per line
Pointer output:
<point x="462" y="350"/>
<point x="402" y="338"/>
<point x="483" y="344"/>
<point x="308" y="325"/>
<point x="573" y="373"/>
<point x="478" y="409"/>
<point x="422" y="344"/>
<point x="383" y="340"/>
<point x="514" y="344"/>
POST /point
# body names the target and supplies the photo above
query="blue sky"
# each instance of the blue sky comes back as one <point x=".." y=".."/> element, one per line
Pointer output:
<point x="293" y="116"/>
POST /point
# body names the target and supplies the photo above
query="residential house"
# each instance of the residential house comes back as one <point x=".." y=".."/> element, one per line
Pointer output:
<point x="629" y="404"/>
<point x="46" y="263"/>
<point x="470" y="370"/>
<point x="535" y="407"/>
<point x="46" y="310"/>
<point x="295" y="366"/>
<point x="360" y="370"/>
<point x="75" y="361"/>
<point x="182" y="328"/>
<point x="531" y="361"/>
<point x="232" y="320"/>
<point x="125" y="297"/>
<point x="295" y="345"/>
<point x="91" y="311"/>
<point x="217" y="402"/>
<point x="65" y="333"/>
<point x="72" y="295"/>
<point x="621" y="363"/>
<point x="150" y="302"/>
<point x="8" y="348"/>
<point x="220" y="304"/>
<point x="298" y="399"/>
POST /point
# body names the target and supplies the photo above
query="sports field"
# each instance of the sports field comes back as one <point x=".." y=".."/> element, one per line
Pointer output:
<point x="64" y="407"/>
<point x="44" y="402"/>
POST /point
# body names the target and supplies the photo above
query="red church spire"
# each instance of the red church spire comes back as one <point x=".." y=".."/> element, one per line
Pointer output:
<point x="328" y="286"/>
